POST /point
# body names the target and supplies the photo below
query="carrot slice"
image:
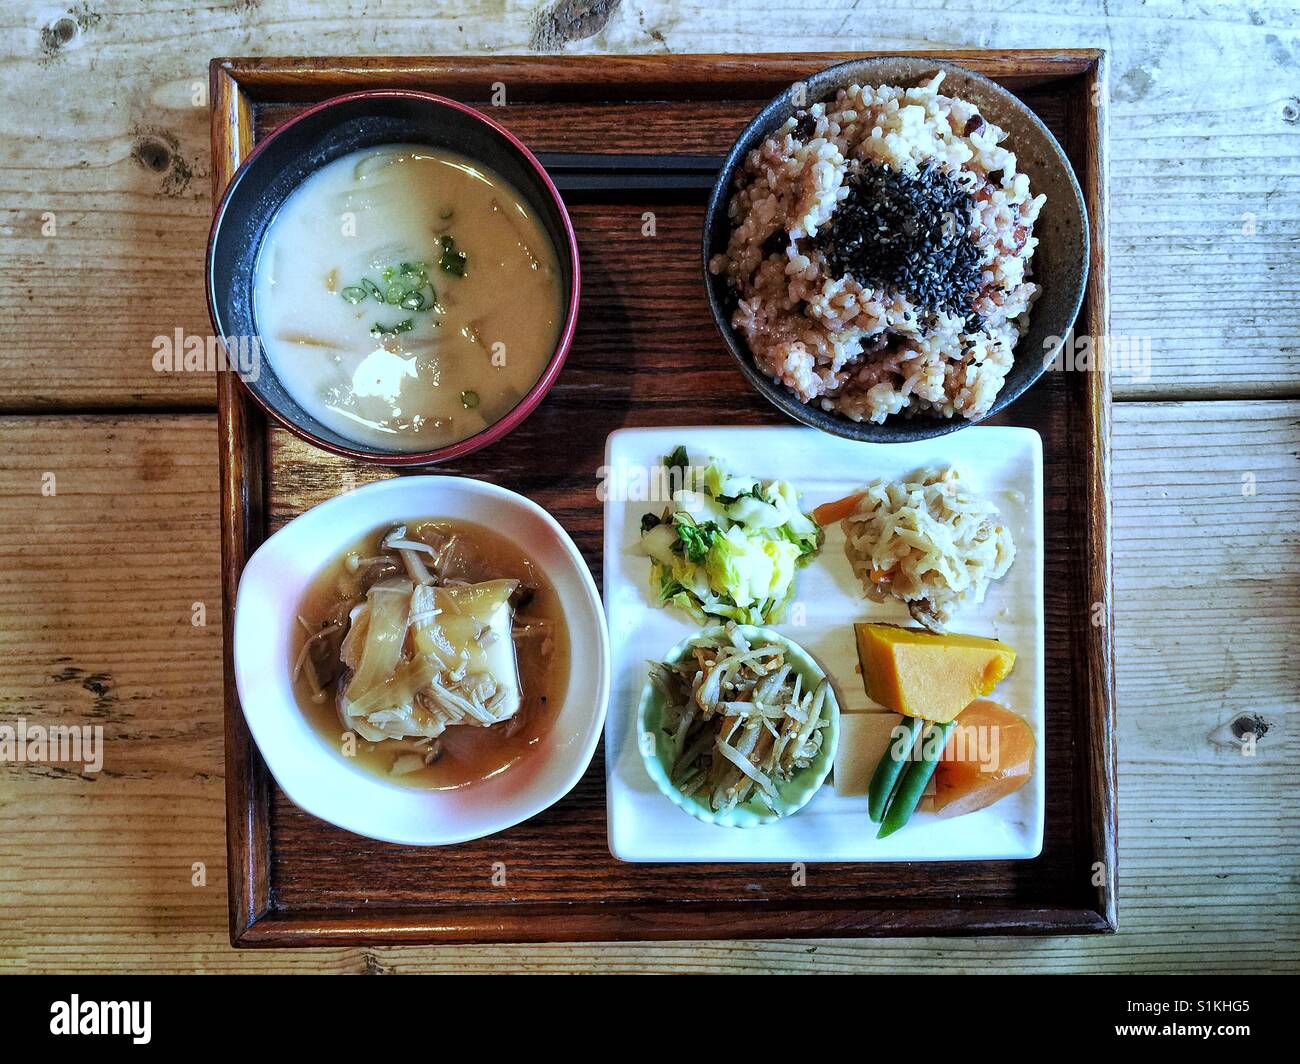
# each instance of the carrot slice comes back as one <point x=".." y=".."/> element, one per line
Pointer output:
<point x="962" y="783"/>
<point x="830" y="512"/>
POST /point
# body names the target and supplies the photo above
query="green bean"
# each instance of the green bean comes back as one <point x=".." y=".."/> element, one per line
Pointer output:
<point x="914" y="780"/>
<point x="888" y="771"/>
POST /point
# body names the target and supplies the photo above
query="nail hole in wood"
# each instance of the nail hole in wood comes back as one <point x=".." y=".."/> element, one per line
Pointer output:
<point x="1250" y="724"/>
<point x="152" y="154"/>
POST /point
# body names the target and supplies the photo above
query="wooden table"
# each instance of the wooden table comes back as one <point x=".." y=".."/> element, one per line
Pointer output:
<point x="109" y="603"/>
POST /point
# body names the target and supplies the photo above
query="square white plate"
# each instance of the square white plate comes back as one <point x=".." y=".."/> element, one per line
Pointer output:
<point x="1004" y="465"/>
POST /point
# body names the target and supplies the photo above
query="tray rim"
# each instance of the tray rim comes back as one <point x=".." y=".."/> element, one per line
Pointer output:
<point x="236" y="85"/>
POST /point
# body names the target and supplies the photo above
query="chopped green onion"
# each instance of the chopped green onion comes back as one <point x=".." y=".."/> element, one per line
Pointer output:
<point x="405" y="325"/>
<point x="404" y="286"/>
<point x="469" y="400"/>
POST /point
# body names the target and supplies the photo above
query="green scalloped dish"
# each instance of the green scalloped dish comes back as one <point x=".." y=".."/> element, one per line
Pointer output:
<point x="793" y="794"/>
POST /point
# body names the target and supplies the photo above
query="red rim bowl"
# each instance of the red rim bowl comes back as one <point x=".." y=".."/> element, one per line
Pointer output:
<point x="321" y="134"/>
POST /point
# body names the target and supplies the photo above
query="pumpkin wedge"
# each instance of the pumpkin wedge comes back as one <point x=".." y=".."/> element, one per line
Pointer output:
<point x="927" y="674"/>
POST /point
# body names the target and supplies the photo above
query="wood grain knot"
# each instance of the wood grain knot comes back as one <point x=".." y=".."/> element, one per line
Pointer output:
<point x="372" y="965"/>
<point x="570" y="20"/>
<point x="1291" y="110"/>
<point x="99" y="685"/>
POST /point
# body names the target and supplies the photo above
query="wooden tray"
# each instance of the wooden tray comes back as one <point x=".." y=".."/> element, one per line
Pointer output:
<point x="647" y="353"/>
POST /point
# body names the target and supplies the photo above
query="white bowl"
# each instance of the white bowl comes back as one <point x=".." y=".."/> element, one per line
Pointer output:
<point x="316" y="778"/>
<point x="794" y="793"/>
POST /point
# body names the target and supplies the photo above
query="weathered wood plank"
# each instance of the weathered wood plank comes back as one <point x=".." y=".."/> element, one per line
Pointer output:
<point x="95" y="872"/>
<point x="1204" y="197"/>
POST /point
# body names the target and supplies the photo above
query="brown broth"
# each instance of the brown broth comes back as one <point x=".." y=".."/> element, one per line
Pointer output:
<point x="470" y="754"/>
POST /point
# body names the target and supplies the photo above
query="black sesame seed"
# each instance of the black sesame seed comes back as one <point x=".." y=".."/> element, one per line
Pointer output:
<point x="805" y="125"/>
<point x="909" y="232"/>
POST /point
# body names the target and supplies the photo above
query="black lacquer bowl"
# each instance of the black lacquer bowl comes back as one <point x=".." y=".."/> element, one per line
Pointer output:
<point x="1059" y="265"/>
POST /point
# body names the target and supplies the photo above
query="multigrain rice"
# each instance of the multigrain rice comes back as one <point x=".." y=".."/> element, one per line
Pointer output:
<point x="869" y="352"/>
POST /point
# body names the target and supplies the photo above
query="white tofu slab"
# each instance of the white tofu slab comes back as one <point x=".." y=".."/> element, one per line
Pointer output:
<point x="1004" y="464"/>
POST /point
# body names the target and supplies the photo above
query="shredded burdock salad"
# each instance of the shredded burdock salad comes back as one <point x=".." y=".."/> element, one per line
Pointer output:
<point x="739" y="719"/>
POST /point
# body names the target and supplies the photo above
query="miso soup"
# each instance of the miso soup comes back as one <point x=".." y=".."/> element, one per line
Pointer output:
<point x="407" y="297"/>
